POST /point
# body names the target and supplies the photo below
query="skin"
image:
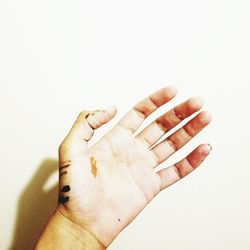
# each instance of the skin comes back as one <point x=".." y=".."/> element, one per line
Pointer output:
<point x="112" y="181"/>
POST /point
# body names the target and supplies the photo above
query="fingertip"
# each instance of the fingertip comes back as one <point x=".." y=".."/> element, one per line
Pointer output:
<point x="205" y="117"/>
<point x="111" y="109"/>
<point x="172" y="89"/>
<point x="206" y="149"/>
<point x="169" y="91"/>
<point x="197" y="156"/>
<point x="195" y="103"/>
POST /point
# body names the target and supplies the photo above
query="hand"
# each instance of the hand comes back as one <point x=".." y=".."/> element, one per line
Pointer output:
<point x="104" y="187"/>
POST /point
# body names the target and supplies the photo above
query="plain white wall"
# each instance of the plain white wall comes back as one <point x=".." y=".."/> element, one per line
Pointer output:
<point x="60" y="57"/>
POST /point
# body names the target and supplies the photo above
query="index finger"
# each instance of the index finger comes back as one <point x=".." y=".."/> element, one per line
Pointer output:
<point x="134" y="118"/>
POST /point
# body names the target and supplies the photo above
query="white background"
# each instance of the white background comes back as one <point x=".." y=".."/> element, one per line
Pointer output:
<point x="60" y="57"/>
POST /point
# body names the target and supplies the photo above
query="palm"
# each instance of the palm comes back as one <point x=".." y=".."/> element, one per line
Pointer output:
<point x="130" y="165"/>
<point x="112" y="181"/>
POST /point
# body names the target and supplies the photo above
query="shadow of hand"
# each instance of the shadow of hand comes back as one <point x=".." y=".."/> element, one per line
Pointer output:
<point x="34" y="207"/>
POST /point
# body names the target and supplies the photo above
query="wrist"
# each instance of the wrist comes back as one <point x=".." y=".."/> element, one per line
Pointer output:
<point x="62" y="233"/>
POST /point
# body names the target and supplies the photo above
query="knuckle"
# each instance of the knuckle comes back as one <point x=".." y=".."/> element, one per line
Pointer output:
<point x="162" y="125"/>
<point x="82" y="114"/>
<point x="141" y="112"/>
<point x="178" y="171"/>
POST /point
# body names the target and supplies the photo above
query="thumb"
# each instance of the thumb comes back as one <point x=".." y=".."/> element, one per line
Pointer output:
<point x="99" y="117"/>
<point x="83" y="130"/>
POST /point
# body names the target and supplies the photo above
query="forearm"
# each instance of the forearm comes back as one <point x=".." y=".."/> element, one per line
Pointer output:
<point x="61" y="233"/>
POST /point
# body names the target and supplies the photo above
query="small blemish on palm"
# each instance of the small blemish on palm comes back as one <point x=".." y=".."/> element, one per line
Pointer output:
<point x="93" y="166"/>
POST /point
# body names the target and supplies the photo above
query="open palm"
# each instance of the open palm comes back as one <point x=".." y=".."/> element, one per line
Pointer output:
<point x="104" y="187"/>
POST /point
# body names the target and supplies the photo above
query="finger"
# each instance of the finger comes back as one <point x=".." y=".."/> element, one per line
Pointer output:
<point x="97" y="118"/>
<point x="178" y="139"/>
<point x="152" y="133"/>
<point x="170" y="175"/>
<point x="134" y="118"/>
<point x="83" y="129"/>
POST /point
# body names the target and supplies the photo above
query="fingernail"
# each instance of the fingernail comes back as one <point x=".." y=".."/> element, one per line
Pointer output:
<point x="210" y="146"/>
<point x="207" y="149"/>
